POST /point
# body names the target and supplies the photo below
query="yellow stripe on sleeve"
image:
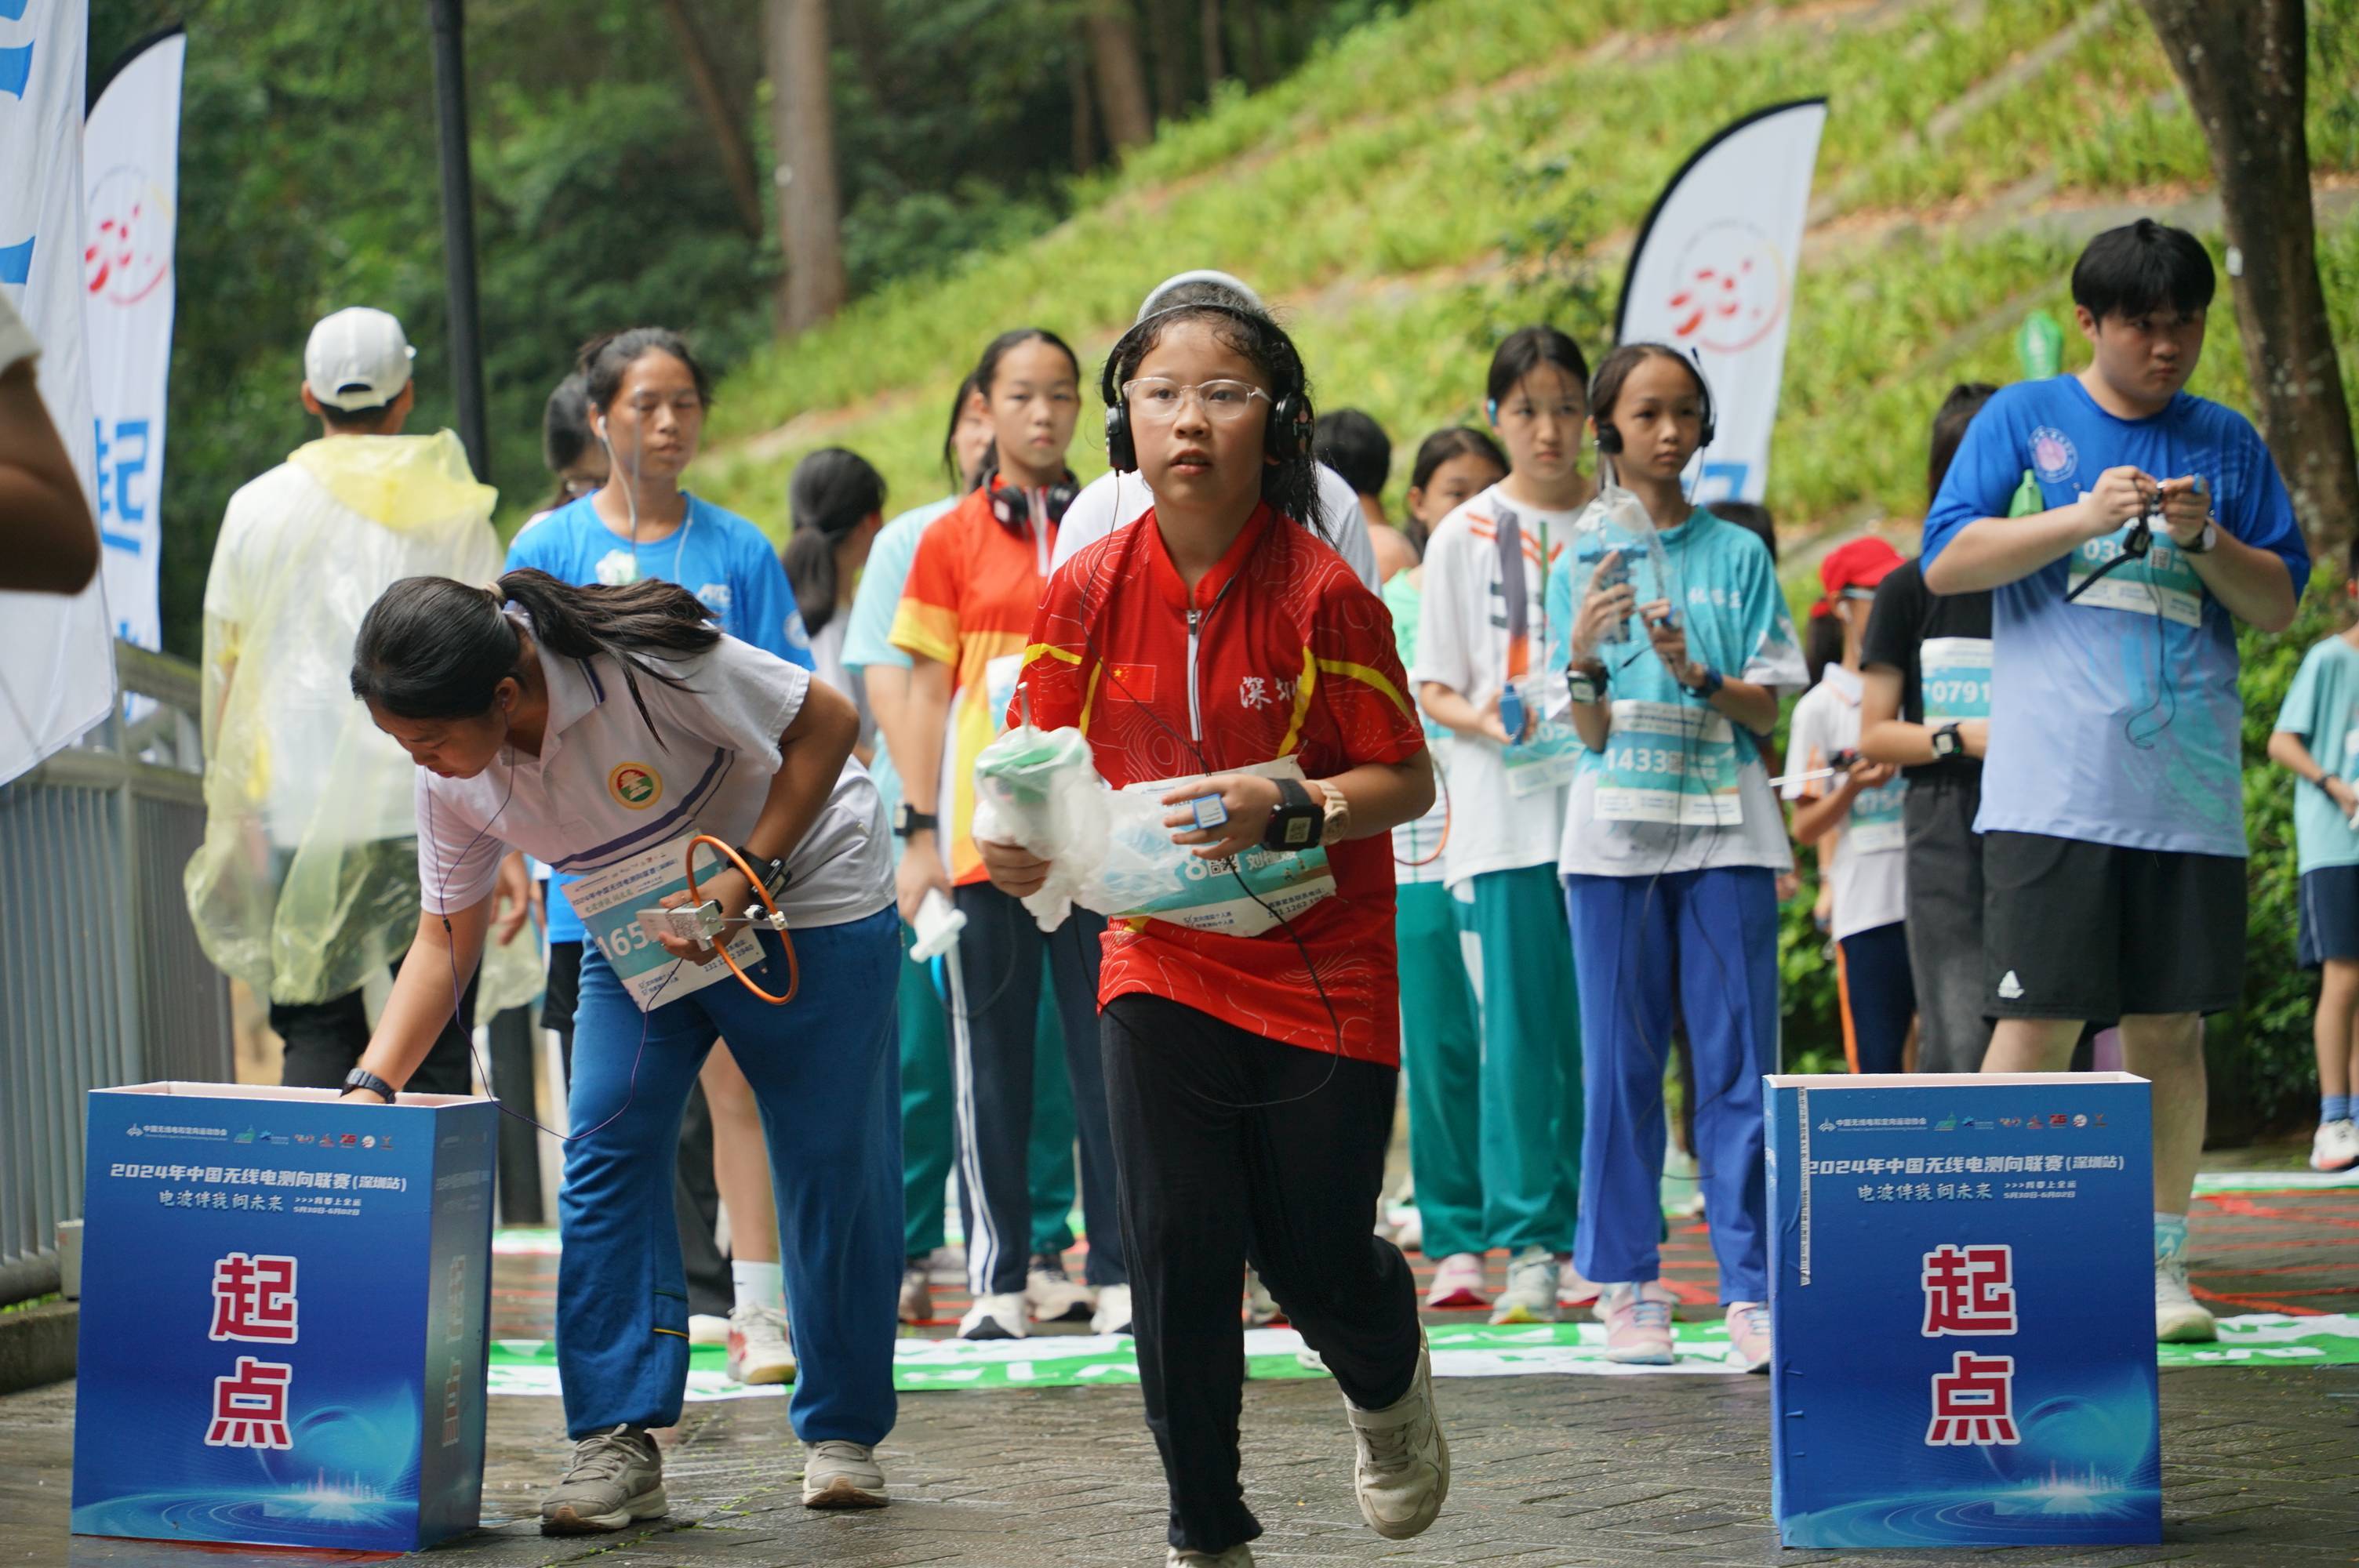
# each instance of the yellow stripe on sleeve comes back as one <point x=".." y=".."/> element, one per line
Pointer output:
<point x="1369" y="676"/>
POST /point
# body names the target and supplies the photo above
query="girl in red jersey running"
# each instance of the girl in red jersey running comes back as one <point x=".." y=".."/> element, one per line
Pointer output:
<point x="1250" y="1077"/>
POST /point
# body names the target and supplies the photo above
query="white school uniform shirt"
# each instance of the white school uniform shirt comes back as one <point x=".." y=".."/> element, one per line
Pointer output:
<point x="1114" y="500"/>
<point x="1871" y="885"/>
<point x="604" y="789"/>
<point x="1462" y="642"/>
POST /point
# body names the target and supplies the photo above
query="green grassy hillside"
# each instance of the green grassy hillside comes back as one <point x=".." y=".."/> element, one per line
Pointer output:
<point x="1440" y="176"/>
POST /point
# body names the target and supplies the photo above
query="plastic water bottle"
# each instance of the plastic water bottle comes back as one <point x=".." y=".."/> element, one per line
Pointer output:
<point x="1511" y="713"/>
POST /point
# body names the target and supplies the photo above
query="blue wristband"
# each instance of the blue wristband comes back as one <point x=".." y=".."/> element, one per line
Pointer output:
<point x="1713" y="681"/>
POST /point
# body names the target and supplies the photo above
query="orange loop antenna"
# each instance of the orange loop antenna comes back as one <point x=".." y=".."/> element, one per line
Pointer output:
<point x="786" y="939"/>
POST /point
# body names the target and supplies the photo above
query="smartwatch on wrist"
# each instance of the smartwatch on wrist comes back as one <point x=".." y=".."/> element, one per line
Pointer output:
<point x="907" y="821"/>
<point x="1713" y="681"/>
<point x="1295" y="821"/>
<point x="2205" y="542"/>
<point x="1586" y="683"/>
<point x="1947" y="742"/>
<point x="361" y="1078"/>
<point x="770" y="870"/>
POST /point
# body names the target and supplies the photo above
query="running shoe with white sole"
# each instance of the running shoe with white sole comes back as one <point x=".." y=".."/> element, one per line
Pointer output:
<point x="613" y="1478"/>
<point x="1113" y="1315"/>
<point x="1637" y="1320"/>
<point x="1748" y="1336"/>
<point x="1401" y="1469"/>
<point x="1530" y="1295"/>
<point x="996" y="1317"/>
<point x="840" y="1475"/>
<point x="917" y="1292"/>
<point x="2178" y="1317"/>
<point x="1261" y="1308"/>
<point x="1053" y="1295"/>
<point x="1572" y="1290"/>
<point x="2336" y="1147"/>
<point x="1407" y="1227"/>
<point x="759" y="1349"/>
<point x="1458" y="1283"/>
<point x="706" y="1329"/>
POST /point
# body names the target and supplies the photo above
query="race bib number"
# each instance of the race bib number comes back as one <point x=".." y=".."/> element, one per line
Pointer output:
<point x="1669" y="763"/>
<point x="2162" y="584"/>
<point x="1243" y="896"/>
<point x="609" y="902"/>
<point x="1875" y="819"/>
<point x="1547" y="757"/>
<point x="1955" y="675"/>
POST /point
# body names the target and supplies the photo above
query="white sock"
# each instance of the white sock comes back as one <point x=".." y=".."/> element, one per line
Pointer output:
<point x="759" y="1284"/>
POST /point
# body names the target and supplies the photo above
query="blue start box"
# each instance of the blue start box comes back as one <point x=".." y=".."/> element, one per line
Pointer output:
<point x="283" y="1317"/>
<point x="1962" y="1280"/>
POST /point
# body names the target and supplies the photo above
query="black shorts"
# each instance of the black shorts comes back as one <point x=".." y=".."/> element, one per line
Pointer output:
<point x="2330" y="914"/>
<point x="2072" y="929"/>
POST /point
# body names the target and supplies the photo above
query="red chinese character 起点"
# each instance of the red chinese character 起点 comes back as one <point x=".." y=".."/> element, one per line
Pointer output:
<point x="250" y="1406"/>
<point x="1968" y="1290"/>
<point x="253" y="1298"/>
<point x="1973" y="1402"/>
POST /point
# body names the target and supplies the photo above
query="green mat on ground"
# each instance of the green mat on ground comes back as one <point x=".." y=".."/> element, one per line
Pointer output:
<point x="528" y="1366"/>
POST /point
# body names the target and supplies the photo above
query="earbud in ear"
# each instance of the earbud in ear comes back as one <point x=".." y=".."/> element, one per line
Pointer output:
<point x="1491" y="406"/>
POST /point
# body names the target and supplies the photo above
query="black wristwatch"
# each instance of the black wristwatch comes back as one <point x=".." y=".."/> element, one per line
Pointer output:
<point x="1586" y="683"/>
<point x="770" y="870"/>
<point x="1713" y="681"/>
<point x="1947" y="742"/>
<point x="907" y="821"/>
<point x="361" y="1078"/>
<point x="1296" y="822"/>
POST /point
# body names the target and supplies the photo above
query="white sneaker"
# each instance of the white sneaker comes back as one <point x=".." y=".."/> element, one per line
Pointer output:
<point x="1237" y="1556"/>
<point x="2178" y="1317"/>
<point x="1458" y="1283"/>
<point x="1052" y="1294"/>
<point x="1261" y="1308"/>
<point x="840" y="1475"/>
<point x="759" y="1351"/>
<point x="2336" y="1147"/>
<point x="1407" y="1227"/>
<point x="1113" y="1315"/>
<point x="996" y="1317"/>
<point x="1401" y="1471"/>
<point x="1573" y="1289"/>
<point x="1530" y="1295"/>
<point x="917" y="1294"/>
<point x="613" y="1480"/>
<point x="704" y="1328"/>
<point x="1638" y="1319"/>
<point x="1748" y="1336"/>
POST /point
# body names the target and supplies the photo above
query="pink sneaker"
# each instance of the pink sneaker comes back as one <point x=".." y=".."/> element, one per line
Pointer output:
<point x="1458" y="1283"/>
<point x="1571" y="1290"/>
<point x="1637" y="1320"/>
<point x="1748" y="1336"/>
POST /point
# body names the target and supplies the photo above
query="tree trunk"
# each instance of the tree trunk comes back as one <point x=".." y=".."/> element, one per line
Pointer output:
<point x="2246" y="72"/>
<point x="1169" y="29"/>
<point x="1121" y="77"/>
<point x="1256" y="46"/>
<point x="1085" y="129"/>
<point x="803" y="123"/>
<point x="720" y="116"/>
<point x="1208" y="25"/>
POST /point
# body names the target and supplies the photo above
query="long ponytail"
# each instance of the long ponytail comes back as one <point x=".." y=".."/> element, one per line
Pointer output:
<point x="832" y="492"/>
<point x="433" y="648"/>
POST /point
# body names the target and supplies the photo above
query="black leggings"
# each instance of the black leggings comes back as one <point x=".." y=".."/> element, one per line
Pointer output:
<point x="1205" y="1186"/>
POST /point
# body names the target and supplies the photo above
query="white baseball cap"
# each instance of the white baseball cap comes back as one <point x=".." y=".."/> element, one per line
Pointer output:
<point x="357" y="359"/>
<point x="1161" y="291"/>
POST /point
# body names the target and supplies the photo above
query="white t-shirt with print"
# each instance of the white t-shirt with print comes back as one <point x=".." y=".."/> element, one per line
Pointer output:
<point x="1462" y="643"/>
<point x="605" y="789"/>
<point x="1114" y="500"/>
<point x="1868" y="863"/>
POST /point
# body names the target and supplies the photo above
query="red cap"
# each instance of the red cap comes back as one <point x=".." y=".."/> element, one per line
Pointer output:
<point x="1860" y="563"/>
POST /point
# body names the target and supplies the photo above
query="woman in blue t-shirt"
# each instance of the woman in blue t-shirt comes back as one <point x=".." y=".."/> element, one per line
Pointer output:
<point x="647" y="400"/>
<point x="1672" y="846"/>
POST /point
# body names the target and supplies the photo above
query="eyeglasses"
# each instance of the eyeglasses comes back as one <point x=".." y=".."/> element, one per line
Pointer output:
<point x="1156" y="400"/>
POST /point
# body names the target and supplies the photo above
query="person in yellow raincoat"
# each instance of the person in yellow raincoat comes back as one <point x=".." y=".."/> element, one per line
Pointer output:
<point x="307" y="881"/>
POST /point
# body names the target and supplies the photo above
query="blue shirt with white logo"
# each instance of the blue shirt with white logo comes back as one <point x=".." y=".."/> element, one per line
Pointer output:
<point x="715" y="554"/>
<point x="2115" y="720"/>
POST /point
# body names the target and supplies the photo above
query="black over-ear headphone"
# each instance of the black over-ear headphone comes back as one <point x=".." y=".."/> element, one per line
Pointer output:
<point x="1286" y="435"/>
<point x="1609" y="435"/>
<point x="1012" y="504"/>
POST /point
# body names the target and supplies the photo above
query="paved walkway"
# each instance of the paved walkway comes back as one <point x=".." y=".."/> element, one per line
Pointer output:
<point x="1562" y="1470"/>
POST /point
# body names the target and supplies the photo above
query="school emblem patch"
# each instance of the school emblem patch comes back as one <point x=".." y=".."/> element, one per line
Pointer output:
<point x="635" y="785"/>
<point x="2053" y="458"/>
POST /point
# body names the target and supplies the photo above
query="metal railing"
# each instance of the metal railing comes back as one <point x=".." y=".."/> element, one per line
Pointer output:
<point x="102" y="981"/>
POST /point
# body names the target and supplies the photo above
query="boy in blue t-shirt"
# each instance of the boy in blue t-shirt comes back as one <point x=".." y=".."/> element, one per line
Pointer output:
<point x="2317" y="739"/>
<point x="2113" y="799"/>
